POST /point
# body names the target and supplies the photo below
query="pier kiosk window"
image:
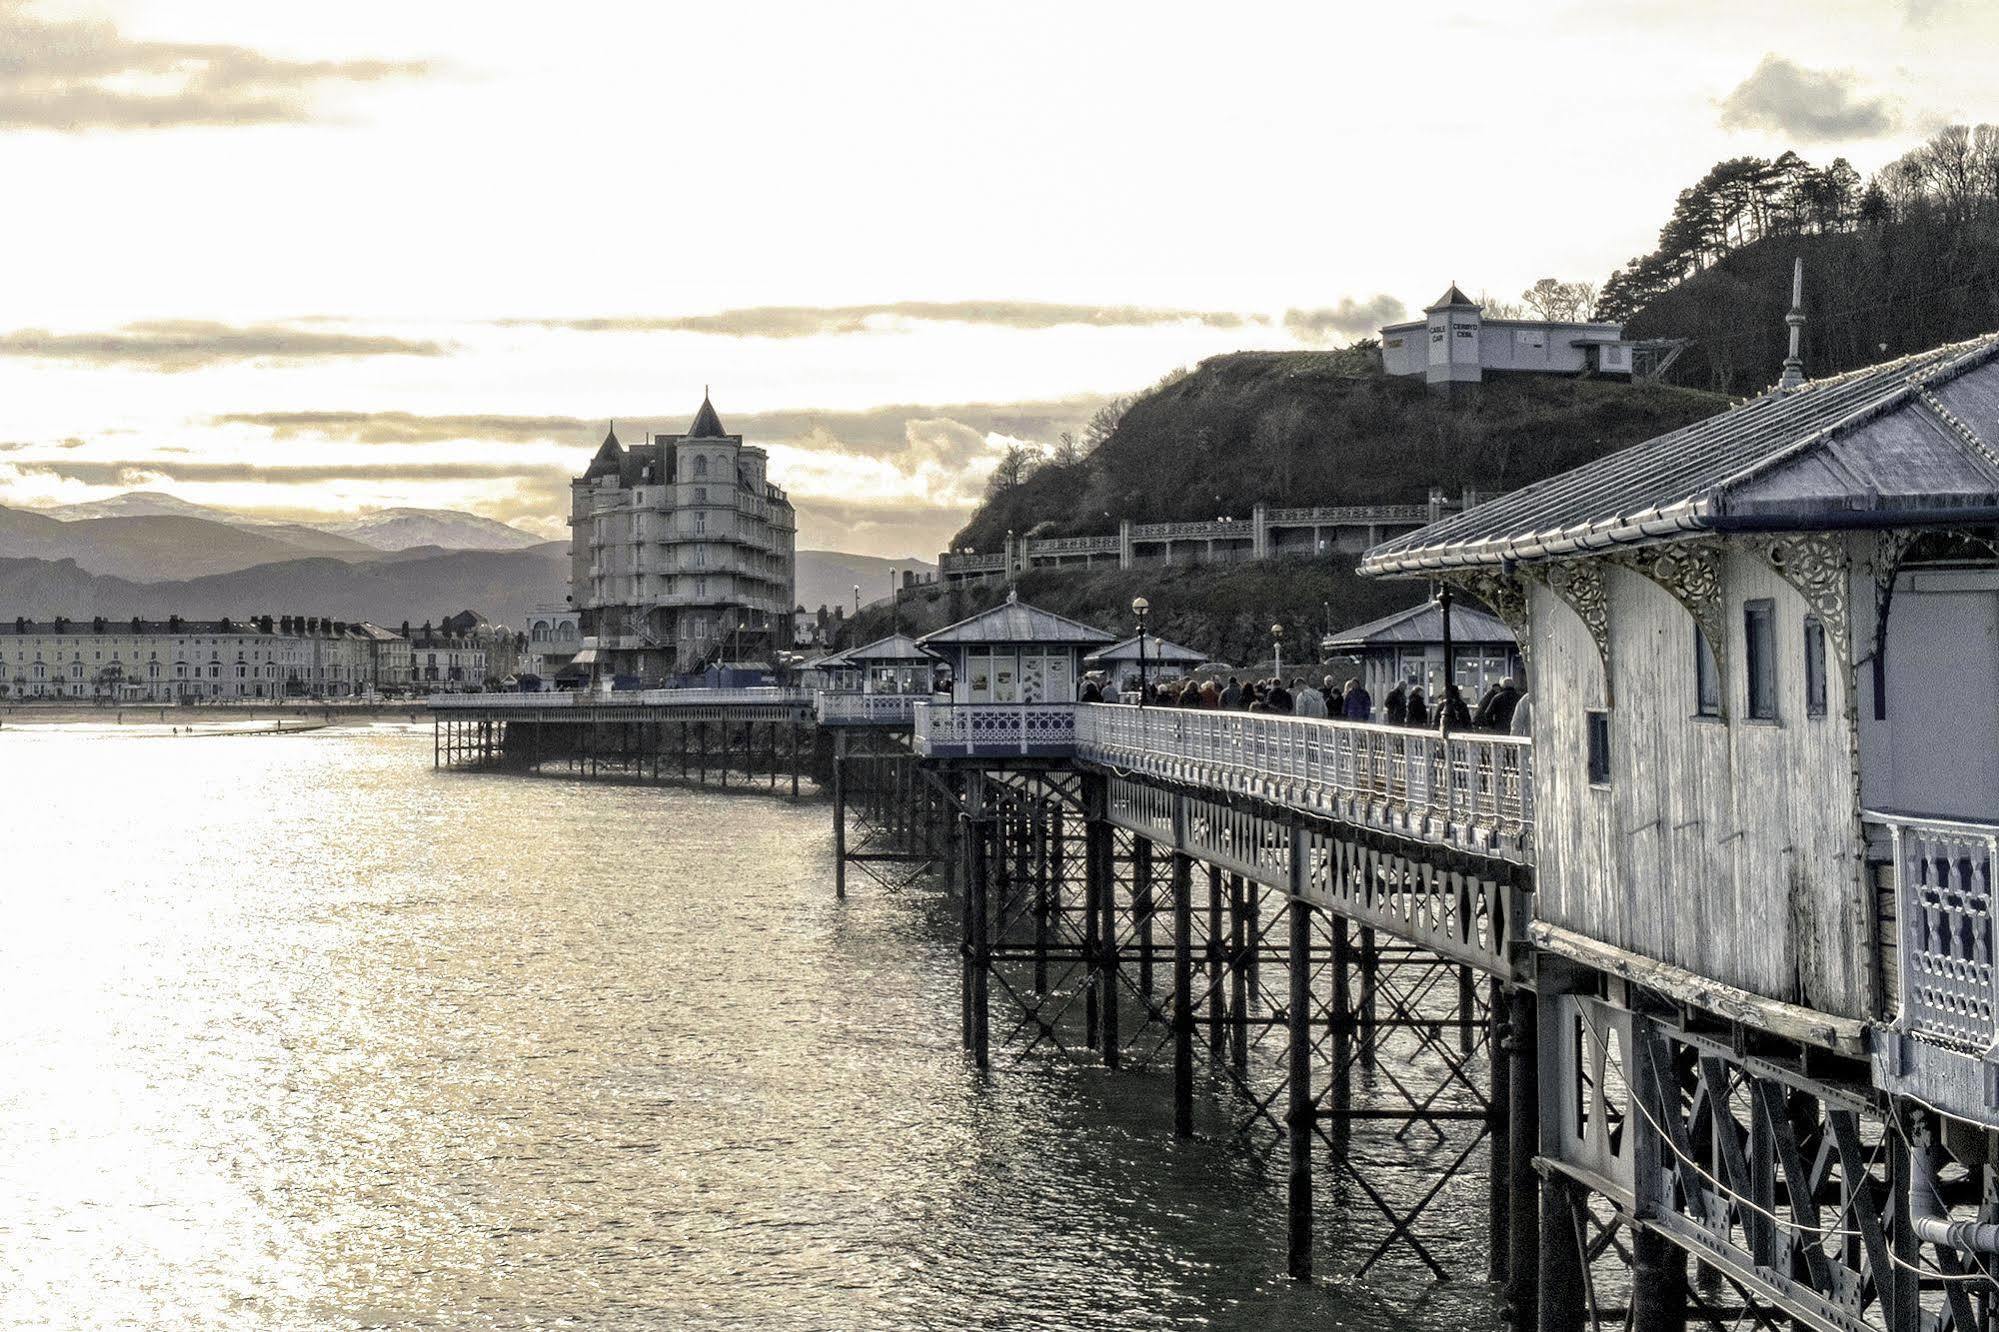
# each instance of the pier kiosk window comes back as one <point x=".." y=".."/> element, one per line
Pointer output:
<point x="1814" y="667"/>
<point x="1707" y="677"/>
<point x="1597" y="722"/>
<point x="1759" y="645"/>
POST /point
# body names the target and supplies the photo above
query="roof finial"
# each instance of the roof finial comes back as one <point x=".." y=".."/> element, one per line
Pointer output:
<point x="1794" y="364"/>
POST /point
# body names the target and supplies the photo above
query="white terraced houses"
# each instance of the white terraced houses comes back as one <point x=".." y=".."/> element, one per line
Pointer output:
<point x="166" y="661"/>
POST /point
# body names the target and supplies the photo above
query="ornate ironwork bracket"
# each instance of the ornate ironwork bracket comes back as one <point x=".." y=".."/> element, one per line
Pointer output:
<point x="1506" y="594"/>
<point x="1579" y="583"/>
<point x="1691" y="571"/>
<point x="1816" y="566"/>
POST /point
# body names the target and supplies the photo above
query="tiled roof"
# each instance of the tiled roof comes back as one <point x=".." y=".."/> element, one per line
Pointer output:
<point x="896" y="647"/>
<point x="1911" y="441"/>
<point x="1157" y="649"/>
<point x="1422" y="623"/>
<point x="1016" y="622"/>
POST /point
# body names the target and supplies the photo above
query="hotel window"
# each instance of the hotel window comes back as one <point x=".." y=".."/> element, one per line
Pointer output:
<point x="700" y="494"/>
<point x="1759" y="655"/>
<point x="700" y="521"/>
<point x="700" y="466"/>
<point x="1814" y="667"/>
<point x="1597" y="721"/>
<point x="1707" y="677"/>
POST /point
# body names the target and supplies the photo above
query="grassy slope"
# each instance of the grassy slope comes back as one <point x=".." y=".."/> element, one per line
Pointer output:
<point x="1327" y="428"/>
<point x="1290" y="428"/>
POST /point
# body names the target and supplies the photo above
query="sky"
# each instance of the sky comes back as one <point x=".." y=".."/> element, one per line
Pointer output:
<point x="317" y="259"/>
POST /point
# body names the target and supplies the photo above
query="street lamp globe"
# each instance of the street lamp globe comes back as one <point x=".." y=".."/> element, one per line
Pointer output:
<point x="1139" y="606"/>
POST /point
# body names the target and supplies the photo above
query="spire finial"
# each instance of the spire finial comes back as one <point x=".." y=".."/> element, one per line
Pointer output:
<point x="1794" y="364"/>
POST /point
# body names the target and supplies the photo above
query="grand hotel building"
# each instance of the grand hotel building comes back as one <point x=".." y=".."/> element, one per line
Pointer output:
<point x="682" y="553"/>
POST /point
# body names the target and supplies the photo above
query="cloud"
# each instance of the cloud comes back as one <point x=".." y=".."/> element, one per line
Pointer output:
<point x="175" y="345"/>
<point x="363" y="427"/>
<point x="1349" y="319"/>
<point x="805" y="321"/>
<point x="872" y="431"/>
<point x="74" y="75"/>
<point x="1811" y="106"/>
<point x="147" y="471"/>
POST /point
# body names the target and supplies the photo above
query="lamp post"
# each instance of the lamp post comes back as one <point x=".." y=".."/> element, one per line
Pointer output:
<point x="857" y="598"/>
<point x="1277" y="649"/>
<point x="1139" y="606"/>
<point x="894" y="603"/>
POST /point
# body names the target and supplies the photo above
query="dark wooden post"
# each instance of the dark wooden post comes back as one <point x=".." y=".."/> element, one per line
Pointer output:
<point x="1298" y="1114"/>
<point x="982" y="831"/>
<point x="1039" y="826"/>
<point x="1183" y="995"/>
<point x="1095" y="863"/>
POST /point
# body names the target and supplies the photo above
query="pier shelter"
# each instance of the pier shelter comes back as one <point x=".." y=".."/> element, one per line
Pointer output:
<point x="1014" y="675"/>
<point x="1160" y="657"/>
<point x="1407" y="648"/>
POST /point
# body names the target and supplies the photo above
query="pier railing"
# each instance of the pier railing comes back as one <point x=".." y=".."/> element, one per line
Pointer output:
<point x="1472" y="788"/>
<point x="1946" y="1050"/>
<point x="995" y="730"/>
<point x="840" y="707"/>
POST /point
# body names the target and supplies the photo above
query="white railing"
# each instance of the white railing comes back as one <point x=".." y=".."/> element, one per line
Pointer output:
<point x="971" y="563"/>
<point x="853" y="708"/>
<point x="1355" y="515"/>
<point x="1474" y="787"/>
<point x="1083" y="545"/>
<point x="1235" y="529"/>
<point x="1943" y="904"/>
<point x="995" y="730"/>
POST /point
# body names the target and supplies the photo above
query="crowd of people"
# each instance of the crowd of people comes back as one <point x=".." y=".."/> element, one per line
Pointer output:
<point x="1502" y="708"/>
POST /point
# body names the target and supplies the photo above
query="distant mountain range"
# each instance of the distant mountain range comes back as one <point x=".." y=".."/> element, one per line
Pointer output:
<point x="149" y="554"/>
<point x="384" y="529"/>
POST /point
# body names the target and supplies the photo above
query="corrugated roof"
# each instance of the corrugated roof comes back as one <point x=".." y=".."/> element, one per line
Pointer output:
<point x="1015" y="622"/>
<point x="894" y="648"/>
<point x="1422" y="623"/>
<point x="1157" y="649"/>
<point x="1909" y="441"/>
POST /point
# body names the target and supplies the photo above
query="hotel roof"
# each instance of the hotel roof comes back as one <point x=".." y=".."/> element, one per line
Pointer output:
<point x="1912" y="441"/>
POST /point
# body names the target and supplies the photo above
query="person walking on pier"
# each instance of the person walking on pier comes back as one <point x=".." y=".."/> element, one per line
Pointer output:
<point x="1395" y="708"/>
<point x="1418" y="714"/>
<point x="1091" y="692"/>
<point x="1452" y="711"/>
<point x="1495" y="710"/>
<point x="1211" y="697"/>
<point x="1232" y="695"/>
<point x="1356" y="704"/>
<point x="1310" y="702"/>
<point x="1190" y="694"/>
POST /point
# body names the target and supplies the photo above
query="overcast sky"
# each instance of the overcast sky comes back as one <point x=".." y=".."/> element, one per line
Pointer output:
<point x="322" y="258"/>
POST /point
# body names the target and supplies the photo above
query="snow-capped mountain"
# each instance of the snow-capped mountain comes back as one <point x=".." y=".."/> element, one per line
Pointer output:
<point x="400" y="529"/>
<point x="152" y="504"/>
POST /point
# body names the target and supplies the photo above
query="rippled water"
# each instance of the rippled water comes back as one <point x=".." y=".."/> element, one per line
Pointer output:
<point x="299" y="1033"/>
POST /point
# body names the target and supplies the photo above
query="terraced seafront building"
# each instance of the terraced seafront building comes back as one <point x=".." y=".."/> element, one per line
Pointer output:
<point x="682" y="553"/>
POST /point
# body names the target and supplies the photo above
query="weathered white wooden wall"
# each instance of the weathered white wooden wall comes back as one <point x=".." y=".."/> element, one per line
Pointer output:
<point x="1727" y="848"/>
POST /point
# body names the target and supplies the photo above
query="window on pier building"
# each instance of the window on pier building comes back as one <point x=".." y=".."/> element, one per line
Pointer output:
<point x="1707" y="676"/>
<point x="1597" y="722"/>
<point x="1814" y="667"/>
<point x="1759" y="656"/>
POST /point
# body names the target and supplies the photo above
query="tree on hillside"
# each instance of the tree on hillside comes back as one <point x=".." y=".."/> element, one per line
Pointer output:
<point x="1014" y="467"/>
<point x="1563" y="302"/>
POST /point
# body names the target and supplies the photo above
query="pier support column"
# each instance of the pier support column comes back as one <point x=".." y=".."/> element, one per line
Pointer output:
<point x="1499" y="1181"/>
<point x="1560" y="1306"/>
<point x="1217" y="1009"/>
<point x="981" y="953"/>
<point x="1523" y="1127"/>
<point x="1141" y="916"/>
<point x="1341" y="1092"/>
<point x="1298" y="1113"/>
<point x="1041" y="917"/>
<point x="1658" y="1283"/>
<point x="1108" y="978"/>
<point x="1238" y="977"/>
<point x="839" y="807"/>
<point x="1370" y="968"/>
<point x="1183" y="995"/>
